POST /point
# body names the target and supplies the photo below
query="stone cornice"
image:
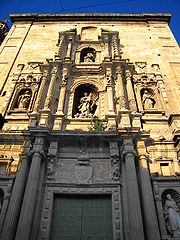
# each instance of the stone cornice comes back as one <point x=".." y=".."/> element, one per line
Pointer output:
<point x="144" y="17"/>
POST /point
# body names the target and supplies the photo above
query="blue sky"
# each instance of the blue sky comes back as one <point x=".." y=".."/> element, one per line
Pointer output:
<point x="95" y="6"/>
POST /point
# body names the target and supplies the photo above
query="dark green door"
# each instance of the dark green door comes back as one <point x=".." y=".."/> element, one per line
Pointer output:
<point x="82" y="218"/>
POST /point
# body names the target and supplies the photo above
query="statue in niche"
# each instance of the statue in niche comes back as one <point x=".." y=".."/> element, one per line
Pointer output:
<point x="172" y="216"/>
<point x="24" y="99"/>
<point x="86" y="106"/>
<point x="148" y="100"/>
<point x="89" y="58"/>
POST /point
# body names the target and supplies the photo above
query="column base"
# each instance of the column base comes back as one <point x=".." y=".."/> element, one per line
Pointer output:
<point x="124" y="119"/>
<point x="136" y="120"/>
<point x="33" y="119"/>
<point x="44" y="117"/>
<point x="58" y="121"/>
<point x="111" y="122"/>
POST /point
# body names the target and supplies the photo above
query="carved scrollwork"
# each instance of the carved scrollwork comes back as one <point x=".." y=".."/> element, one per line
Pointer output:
<point x="145" y="79"/>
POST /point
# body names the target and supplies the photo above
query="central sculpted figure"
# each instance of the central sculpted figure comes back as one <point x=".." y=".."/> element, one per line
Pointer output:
<point x="89" y="58"/>
<point x="23" y="101"/>
<point x="86" y="106"/>
<point x="148" y="100"/>
<point x="172" y="216"/>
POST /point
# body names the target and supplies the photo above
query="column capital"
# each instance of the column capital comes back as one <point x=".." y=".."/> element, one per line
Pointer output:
<point x="128" y="148"/>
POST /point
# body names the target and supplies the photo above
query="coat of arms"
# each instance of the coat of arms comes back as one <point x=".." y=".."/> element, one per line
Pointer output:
<point x="83" y="169"/>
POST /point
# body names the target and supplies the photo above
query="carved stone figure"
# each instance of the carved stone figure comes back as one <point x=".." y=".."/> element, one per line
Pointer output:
<point x="89" y="58"/>
<point x="86" y="106"/>
<point x="50" y="167"/>
<point x="24" y="99"/>
<point x="172" y="216"/>
<point x="148" y="100"/>
<point x="115" y="167"/>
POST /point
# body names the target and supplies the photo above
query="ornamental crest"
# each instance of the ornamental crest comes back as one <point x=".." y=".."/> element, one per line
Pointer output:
<point x="145" y="79"/>
<point x="83" y="169"/>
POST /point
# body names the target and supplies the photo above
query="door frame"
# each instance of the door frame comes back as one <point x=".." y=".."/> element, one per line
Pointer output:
<point x="57" y="189"/>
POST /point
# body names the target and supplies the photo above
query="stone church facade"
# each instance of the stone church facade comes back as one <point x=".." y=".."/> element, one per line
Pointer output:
<point x="90" y="127"/>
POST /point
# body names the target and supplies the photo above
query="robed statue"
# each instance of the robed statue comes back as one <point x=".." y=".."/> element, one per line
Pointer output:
<point x="172" y="216"/>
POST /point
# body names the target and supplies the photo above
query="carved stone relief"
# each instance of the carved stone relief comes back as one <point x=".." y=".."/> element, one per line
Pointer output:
<point x="51" y="167"/>
<point x="115" y="163"/>
<point x="83" y="169"/>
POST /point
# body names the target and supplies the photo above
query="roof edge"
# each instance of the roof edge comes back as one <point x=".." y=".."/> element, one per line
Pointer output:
<point x="143" y="17"/>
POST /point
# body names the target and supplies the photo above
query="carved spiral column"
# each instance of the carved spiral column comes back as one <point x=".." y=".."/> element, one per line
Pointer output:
<point x="49" y="97"/>
<point x="29" y="200"/>
<point x="130" y="92"/>
<point x="34" y="114"/>
<point x="133" y="198"/>
<point x="59" y="114"/>
<point x="47" y="105"/>
<point x="149" y="211"/>
<point x="11" y="220"/>
<point x="120" y="89"/>
<point x="115" y="47"/>
<point x="41" y="90"/>
<point x="110" y="110"/>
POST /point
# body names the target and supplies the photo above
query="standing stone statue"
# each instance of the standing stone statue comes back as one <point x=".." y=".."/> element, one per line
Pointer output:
<point x="23" y="100"/>
<point x="85" y="107"/>
<point x="89" y="58"/>
<point x="148" y="100"/>
<point x="172" y="216"/>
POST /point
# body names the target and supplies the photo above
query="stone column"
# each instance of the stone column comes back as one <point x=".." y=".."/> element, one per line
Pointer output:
<point x="134" y="206"/>
<point x="149" y="211"/>
<point x="130" y="92"/>
<point x="34" y="114"/>
<point x="29" y="201"/>
<point x="11" y="220"/>
<point x="109" y="88"/>
<point x="69" y="49"/>
<point x="59" y="114"/>
<point x="47" y="105"/>
<point x="120" y="89"/>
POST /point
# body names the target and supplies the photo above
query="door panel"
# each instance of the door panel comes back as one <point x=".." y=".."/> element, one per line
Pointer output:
<point x="79" y="217"/>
